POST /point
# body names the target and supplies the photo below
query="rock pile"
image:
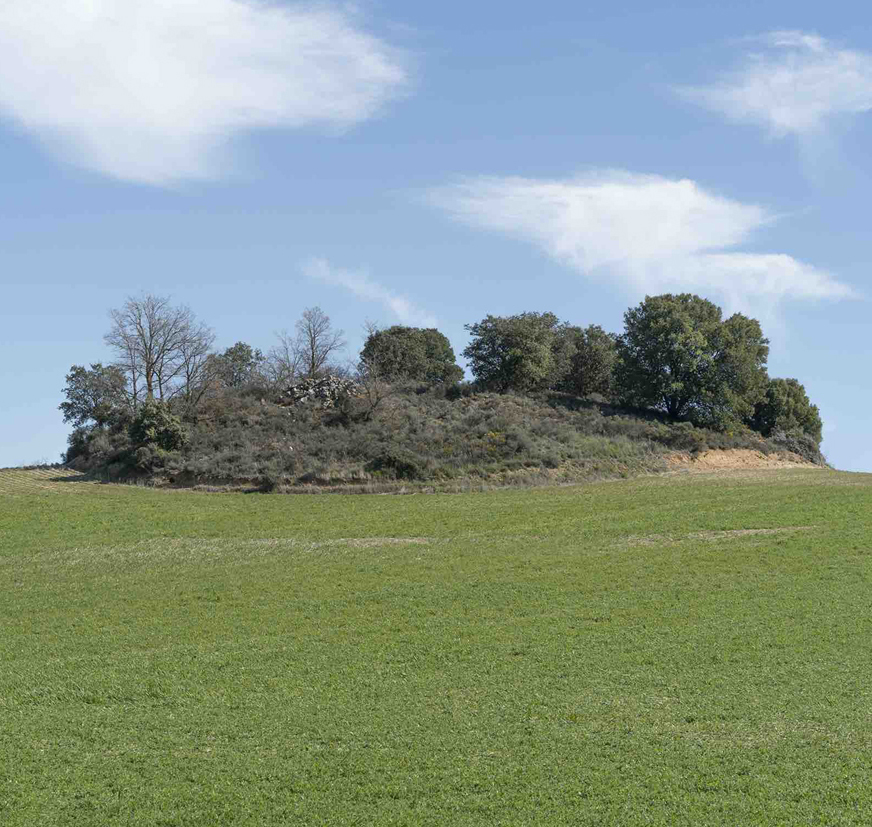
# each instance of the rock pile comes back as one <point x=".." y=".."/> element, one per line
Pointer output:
<point x="326" y="392"/>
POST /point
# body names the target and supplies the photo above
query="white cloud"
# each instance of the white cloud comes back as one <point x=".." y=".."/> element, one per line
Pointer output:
<point x="151" y="91"/>
<point x="793" y="87"/>
<point x="650" y="234"/>
<point x="364" y="288"/>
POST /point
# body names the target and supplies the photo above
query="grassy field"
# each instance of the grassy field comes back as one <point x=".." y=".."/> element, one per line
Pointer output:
<point x="694" y="650"/>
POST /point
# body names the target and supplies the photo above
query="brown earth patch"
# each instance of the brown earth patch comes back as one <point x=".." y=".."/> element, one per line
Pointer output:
<point x="735" y="459"/>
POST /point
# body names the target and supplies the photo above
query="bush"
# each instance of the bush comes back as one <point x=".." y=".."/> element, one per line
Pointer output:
<point x="399" y="464"/>
<point x="801" y="444"/>
<point x="151" y="457"/>
<point x="786" y="409"/>
<point x="154" y="425"/>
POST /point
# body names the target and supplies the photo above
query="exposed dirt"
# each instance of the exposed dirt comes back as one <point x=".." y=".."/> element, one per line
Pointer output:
<point x="735" y="459"/>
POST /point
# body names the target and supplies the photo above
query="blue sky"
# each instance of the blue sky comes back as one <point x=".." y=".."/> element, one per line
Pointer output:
<point x="429" y="164"/>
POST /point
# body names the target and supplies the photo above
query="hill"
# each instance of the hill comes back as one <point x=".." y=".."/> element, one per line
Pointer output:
<point x="434" y="438"/>
<point x="686" y="650"/>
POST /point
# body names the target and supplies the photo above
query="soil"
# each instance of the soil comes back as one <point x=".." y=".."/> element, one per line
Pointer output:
<point x="735" y="459"/>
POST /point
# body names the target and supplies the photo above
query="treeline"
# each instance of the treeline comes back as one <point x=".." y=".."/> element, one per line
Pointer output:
<point x="677" y="355"/>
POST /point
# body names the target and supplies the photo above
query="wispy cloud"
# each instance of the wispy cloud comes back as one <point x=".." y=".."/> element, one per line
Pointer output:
<point x="152" y="91"/>
<point x="365" y="288"/>
<point x="794" y="85"/>
<point x="649" y="233"/>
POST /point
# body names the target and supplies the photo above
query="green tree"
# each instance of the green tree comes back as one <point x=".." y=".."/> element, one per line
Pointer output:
<point x="155" y="425"/>
<point x="526" y="352"/>
<point x="591" y="368"/>
<point x="740" y="378"/>
<point x="410" y="353"/>
<point x="786" y="407"/>
<point x="678" y="355"/>
<point x="94" y="395"/>
<point x="239" y="365"/>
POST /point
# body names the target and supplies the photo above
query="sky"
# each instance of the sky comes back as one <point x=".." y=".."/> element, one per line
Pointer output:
<point x="429" y="164"/>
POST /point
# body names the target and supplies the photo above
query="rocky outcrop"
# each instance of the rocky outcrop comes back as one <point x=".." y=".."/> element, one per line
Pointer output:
<point x="325" y="392"/>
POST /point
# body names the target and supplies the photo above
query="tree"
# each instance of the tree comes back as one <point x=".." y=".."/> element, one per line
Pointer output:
<point x="196" y="367"/>
<point x="740" y="378"/>
<point x="786" y="407"/>
<point x="526" y="352"/>
<point x="410" y="353"/>
<point x="157" y="345"/>
<point x="239" y="365"/>
<point x="677" y="355"/>
<point x="316" y="342"/>
<point x="282" y="364"/>
<point x="94" y="395"/>
<point x="592" y="365"/>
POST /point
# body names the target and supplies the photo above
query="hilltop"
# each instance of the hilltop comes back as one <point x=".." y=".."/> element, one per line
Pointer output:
<point x="437" y="438"/>
<point x="551" y="402"/>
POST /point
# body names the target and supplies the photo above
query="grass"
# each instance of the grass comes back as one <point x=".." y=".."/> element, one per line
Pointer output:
<point x="635" y="652"/>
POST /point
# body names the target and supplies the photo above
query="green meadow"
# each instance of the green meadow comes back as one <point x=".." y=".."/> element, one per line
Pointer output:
<point x="685" y="650"/>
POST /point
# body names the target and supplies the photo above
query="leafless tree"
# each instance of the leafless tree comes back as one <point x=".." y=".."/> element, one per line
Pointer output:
<point x="375" y="386"/>
<point x="316" y="342"/>
<point x="283" y="361"/>
<point x="161" y="348"/>
<point x="197" y="365"/>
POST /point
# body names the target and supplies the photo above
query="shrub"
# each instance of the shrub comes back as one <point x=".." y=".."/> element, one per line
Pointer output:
<point x="786" y="408"/>
<point x="801" y="444"/>
<point x="151" y="457"/>
<point x="154" y="425"/>
<point x="400" y="464"/>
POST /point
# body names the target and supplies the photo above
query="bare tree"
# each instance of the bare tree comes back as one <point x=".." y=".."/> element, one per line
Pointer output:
<point x="283" y="361"/>
<point x="373" y="381"/>
<point x="316" y="341"/>
<point x="159" y="347"/>
<point x="197" y="368"/>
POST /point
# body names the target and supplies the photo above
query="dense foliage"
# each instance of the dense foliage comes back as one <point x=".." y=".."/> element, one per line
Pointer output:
<point x="592" y="365"/>
<point x="410" y="354"/>
<point x="238" y="366"/>
<point x="526" y="352"/>
<point x="94" y="395"/>
<point x="786" y="407"/>
<point x="678" y="355"/>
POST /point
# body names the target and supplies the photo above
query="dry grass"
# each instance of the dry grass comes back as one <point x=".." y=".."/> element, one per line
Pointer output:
<point x="36" y="480"/>
<point x="663" y="539"/>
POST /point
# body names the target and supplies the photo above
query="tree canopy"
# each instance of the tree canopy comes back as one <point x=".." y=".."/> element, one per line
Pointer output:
<point x="238" y="365"/>
<point x="678" y="355"/>
<point x="785" y="406"/>
<point x="525" y="352"/>
<point x="592" y="365"/>
<point x="94" y="395"/>
<point x="316" y="342"/>
<point x="410" y="353"/>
